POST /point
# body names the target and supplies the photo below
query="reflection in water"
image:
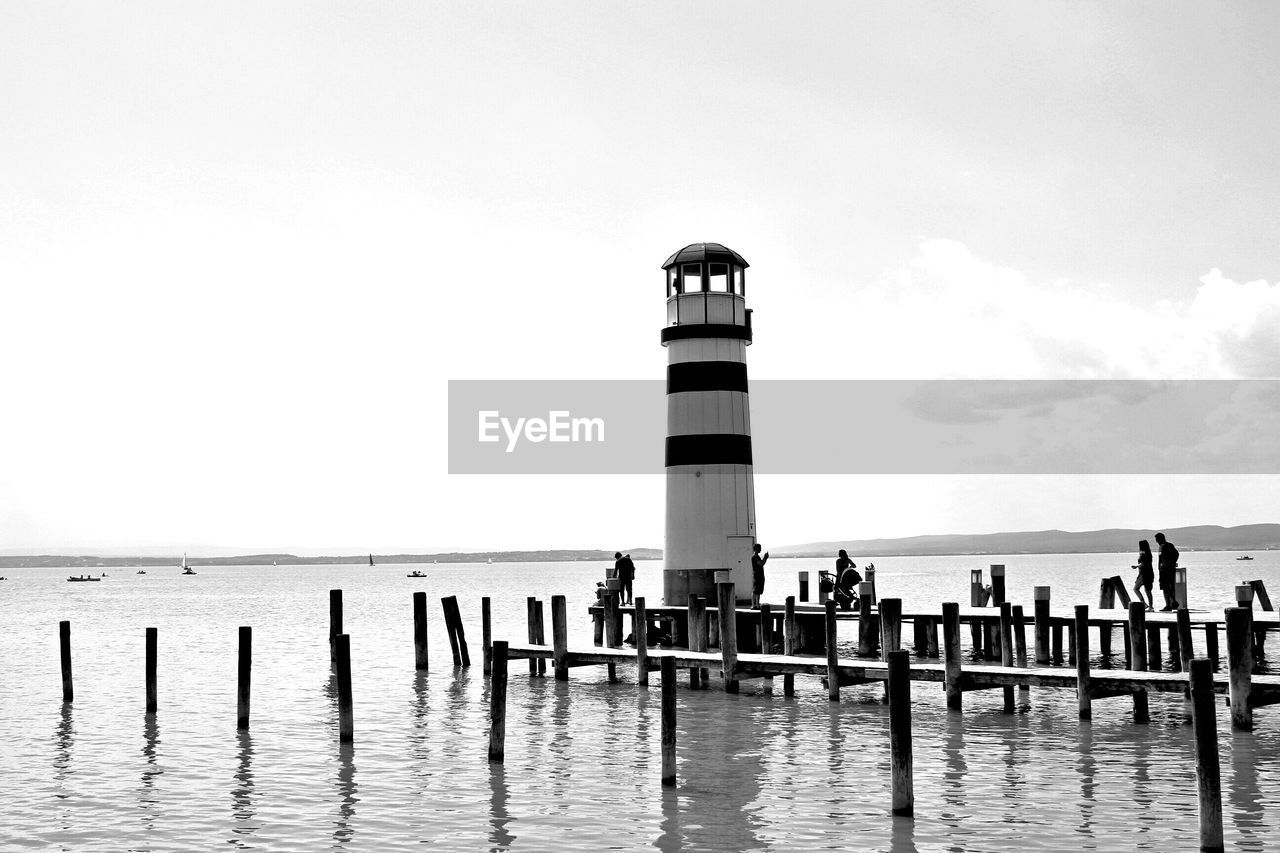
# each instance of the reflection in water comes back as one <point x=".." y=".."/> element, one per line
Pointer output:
<point x="147" y="799"/>
<point x="420" y="739"/>
<point x="346" y="786"/>
<point x="1143" y="793"/>
<point x="902" y="838"/>
<point x="671" y="839"/>
<point x="953" y="777"/>
<point x="499" y="837"/>
<point x="1087" y="767"/>
<point x="1245" y="809"/>
<point x="716" y="806"/>
<point x="242" y="810"/>
<point x="560" y="743"/>
<point x="63" y="739"/>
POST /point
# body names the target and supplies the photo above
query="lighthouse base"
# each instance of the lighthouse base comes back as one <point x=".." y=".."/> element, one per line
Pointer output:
<point x="679" y="584"/>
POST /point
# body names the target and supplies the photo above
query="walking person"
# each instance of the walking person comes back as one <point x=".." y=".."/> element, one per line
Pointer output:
<point x="1146" y="575"/>
<point x="1168" y="564"/>
<point x="625" y="571"/>
<point x="757" y="574"/>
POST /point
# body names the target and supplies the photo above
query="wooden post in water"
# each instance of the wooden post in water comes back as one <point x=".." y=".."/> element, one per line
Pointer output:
<point x="1138" y="656"/>
<point x="977" y="597"/>
<point x="152" y="651"/>
<point x="804" y="586"/>
<point x="789" y="643"/>
<point x="1240" y="666"/>
<point x="1041" y="596"/>
<point x="244" y="664"/>
<point x="1020" y="649"/>
<point x="346" y="715"/>
<point x="1211" y="644"/>
<point x="457" y="636"/>
<point x="766" y="640"/>
<point x="486" y="633"/>
<point x="1208" y="778"/>
<point x="920" y="636"/>
<point x="1154" y="657"/>
<point x="933" y="637"/>
<point x="1118" y="590"/>
<point x="1260" y="634"/>
<point x="531" y="629"/>
<point x="668" y="722"/>
<point x="1106" y="601"/>
<point x="833" y="665"/>
<point x="64" y="648"/>
<point x="727" y="611"/>
<point x="890" y="626"/>
<point x="951" y="652"/>
<point x="1084" y="702"/>
<point x="1056" y="628"/>
<point x="335" y="621"/>
<point x="597" y="625"/>
<point x="612" y="631"/>
<point x="498" y="703"/>
<point x="1006" y="651"/>
<point x="451" y="631"/>
<point x="899" y="685"/>
<point x="641" y="632"/>
<point x="866" y="627"/>
<point x="698" y="676"/>
<point x="540" y="624"/>
<point x="420" y="629"/>
<point x="1184" y="659"/>
<point x="994" y="627"/>
<point x="560" y="636"/>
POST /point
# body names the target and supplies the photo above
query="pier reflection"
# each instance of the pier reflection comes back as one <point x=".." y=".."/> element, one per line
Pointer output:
<point x="242" y="808"/>
<point x="1245" y="810"/>
<point x="560" y="745"/>
<point x="1086" y="769"/>
<point x="63" y="740"/>
<point x="716" y="816"/>
<point x="345" y="784"/>
<point x="953" y="778"/>
<point x="672" y="837"/>
<point x="147" y="799"/>
<point x="499" y="837"/>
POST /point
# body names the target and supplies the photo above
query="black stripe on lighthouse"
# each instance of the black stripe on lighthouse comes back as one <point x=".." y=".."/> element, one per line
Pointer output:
<point x="711" y="449"/>
<point x="706" y="376"/>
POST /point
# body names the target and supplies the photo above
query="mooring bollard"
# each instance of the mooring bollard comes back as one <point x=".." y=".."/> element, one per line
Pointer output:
<point x="244" y="662"/>
<point x="1240" y="666"/>
<point x="1138" y="657"/>
<point x="728" y="620"/>
<point x="804" y="586"/>
<point x="486" y="635"/>
<point x="833" y="664"/>
<point x="1041" y="596"/>
<point x="698" y="676"/>
<point x="1208" y="778"/>
<point x="420" y="629"/>
<point x="789" y="643"/>
<point x="641" y="633"/>
<point x="346" y="715"/>
<point x="64" y="647"/>
<point x="335" y="621"/>
<point x="560" y="636"/>
<point x="151" y="670"/>
<point x="668" y="721"/>
<point x="1084" y="701"/>
<point x="904" y="797"/>
<point x="498" y="703"/>
<point x="1006" y="651"/>
<point x="951" y="652"/>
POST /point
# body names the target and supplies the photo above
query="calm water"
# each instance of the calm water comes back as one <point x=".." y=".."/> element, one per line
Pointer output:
<point x="757" y="772"/>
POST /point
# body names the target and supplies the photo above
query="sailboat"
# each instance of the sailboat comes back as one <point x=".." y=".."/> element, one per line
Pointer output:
<point x="186" y="570"/>
<point x="371" y="559"/>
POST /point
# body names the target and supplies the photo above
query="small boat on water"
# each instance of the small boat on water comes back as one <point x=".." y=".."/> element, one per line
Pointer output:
<point x="83" y="579"/>
<point x="416" y="574"/>
<point x="186" y="570"/>
<point x="140" y="572"/>
<point x="491" y="560"/>
<point x="1245" y="557"/>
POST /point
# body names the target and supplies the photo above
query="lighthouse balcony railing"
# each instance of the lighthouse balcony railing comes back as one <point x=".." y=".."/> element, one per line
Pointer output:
<point x="714" y="308"/>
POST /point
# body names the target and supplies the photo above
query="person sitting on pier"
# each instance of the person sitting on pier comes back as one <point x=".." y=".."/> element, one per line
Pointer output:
<point x="847" y="580"/>
<point x="1146" y="575"/>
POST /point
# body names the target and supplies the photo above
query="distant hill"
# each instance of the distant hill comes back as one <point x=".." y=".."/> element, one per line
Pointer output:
<point x="1247" y="537"/>
<point x="567" y="555"/>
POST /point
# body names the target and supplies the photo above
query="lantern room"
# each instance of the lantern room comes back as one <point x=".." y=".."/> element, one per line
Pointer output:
<point x="706" y="285"/>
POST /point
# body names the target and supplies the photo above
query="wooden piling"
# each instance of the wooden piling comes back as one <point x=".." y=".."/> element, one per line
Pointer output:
<point x="1084" y="701"/>
<point x="994" y="651"/>
<point x="486" y="634"/>
<point x="1041" y="595"/>
<point x="335" y="621"/>
<point x="1118" y="589"/>
<point x="457" y="635"/>
<point x="1154" y="657"/>
<point x="540" y="627"/>
<point x="597" y="625"/>
<point x="789" y="643"/>
<point x="804" y="586"/>
<point x="244" y="664"/>
<point x="1211" y="645"/>
<point x="346" y="715"/>
<point x="1006" y="651"/>
<point x="560" y="636"/>
<point x="932" y="636"/>
<point x="531" y="629"/>
<point x="1240" y="666"/>
<point x="951" y="652"/>
<point x="698" y="676"/>
<point x="1020" y="647"/>
<point x="900" y="732"/>
<point x="766" y="640"/>
<point x="668" y="722"/>
<point x="1107" y="601"/>
<point x="867" y="639"/>
<point x="1138" y="657"/>
<point x="152" y="653"/>
<point x="450" y="630"/>
<point x="1184" y="659"/>
<point x="612" y="631"/>
<point x="1056" y="628"/>
<point x="890" y="626"/>
<point x="498" y="703"/>
<point x="1208" y="778"/>
<point x="641" y="633"/>
<point x="920" y="636"/>
<point x="728" y="621"/>
<point x="833" y="665"/>
<point x="420" y="629"/>
<point x="64" y="648"/>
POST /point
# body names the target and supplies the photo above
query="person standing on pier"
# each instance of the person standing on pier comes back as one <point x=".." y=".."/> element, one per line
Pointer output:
<point x="1146" y="575"/>
<point x="1168" y="564"/>
<point x="847" y="580"/>
<point x="757" y="574"/>
<point x="626" y="572"/>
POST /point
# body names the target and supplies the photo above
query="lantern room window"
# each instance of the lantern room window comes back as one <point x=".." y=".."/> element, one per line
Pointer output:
<point x="718" y="275"/>
<point x="691" y="278"/>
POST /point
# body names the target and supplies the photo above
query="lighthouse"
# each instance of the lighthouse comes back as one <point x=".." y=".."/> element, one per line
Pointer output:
<point x="711" y="504"/>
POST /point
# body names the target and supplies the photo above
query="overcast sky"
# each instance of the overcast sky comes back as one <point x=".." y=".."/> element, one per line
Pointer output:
<point x="244" y="246"/>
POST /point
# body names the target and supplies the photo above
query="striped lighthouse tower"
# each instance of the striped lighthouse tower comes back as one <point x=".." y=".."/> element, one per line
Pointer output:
<point x="711" y="505"/>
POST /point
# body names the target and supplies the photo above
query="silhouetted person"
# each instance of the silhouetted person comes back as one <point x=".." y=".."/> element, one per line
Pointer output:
<point x="1168" y="563"/>
<point x="757" y="574"/>
<point x="626" y="572"/>
<point x="847" y="580"/>
<point x="1146" y="575"/>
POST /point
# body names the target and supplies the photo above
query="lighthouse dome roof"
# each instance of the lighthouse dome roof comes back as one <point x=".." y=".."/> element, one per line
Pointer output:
<point x="695" y="252"/>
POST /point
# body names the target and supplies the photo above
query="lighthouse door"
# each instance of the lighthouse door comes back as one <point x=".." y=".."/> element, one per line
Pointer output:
<point x="738" y="559"/>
